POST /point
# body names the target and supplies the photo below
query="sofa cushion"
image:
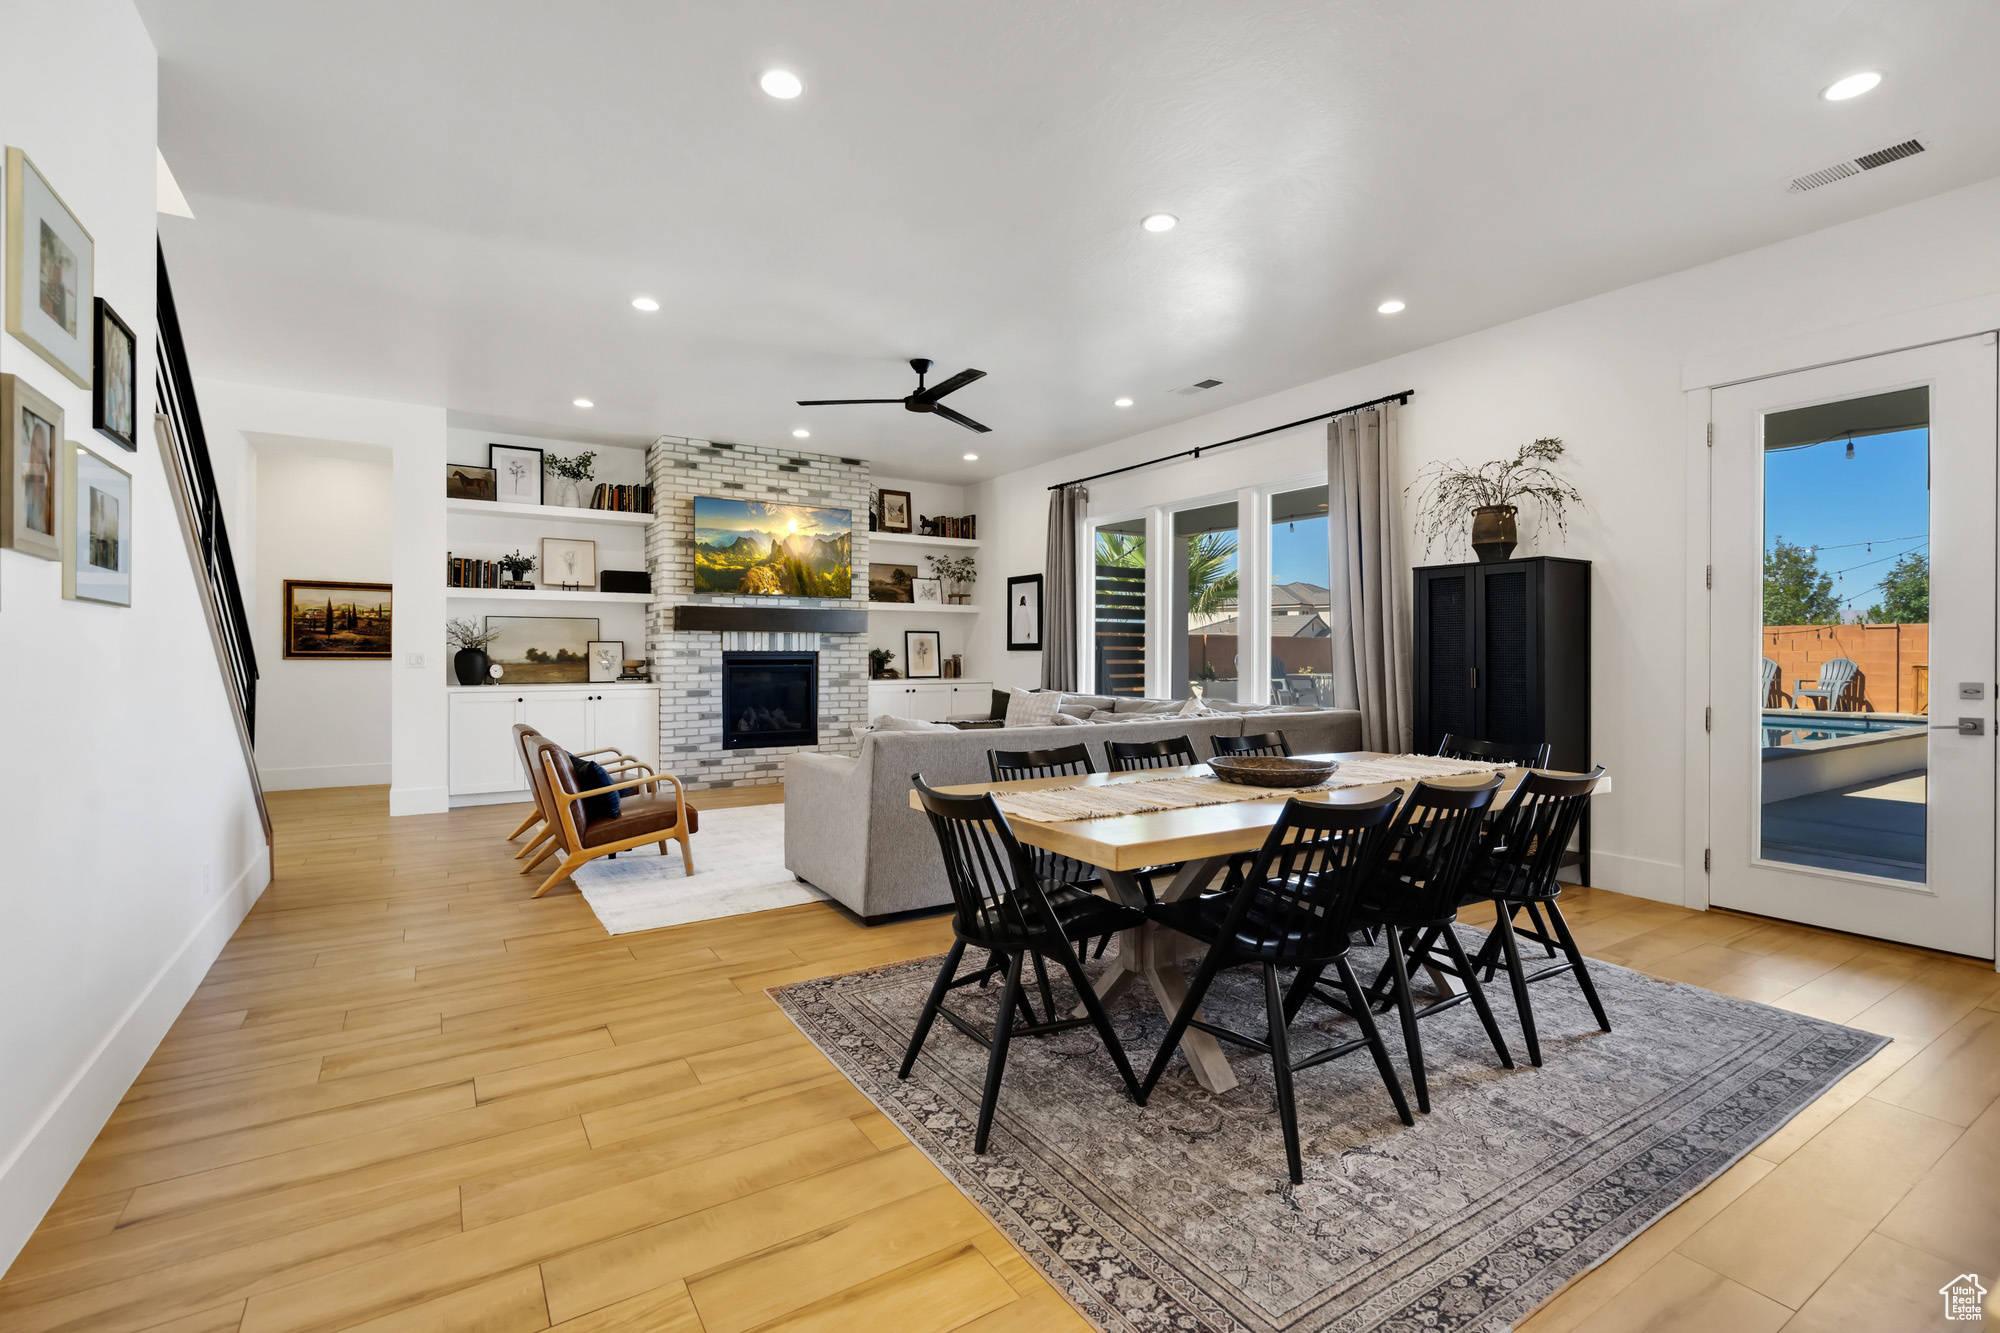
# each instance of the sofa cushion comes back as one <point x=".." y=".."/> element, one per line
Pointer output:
<point x="1063" y="719"/>
<point x="999" y="708"/>
<point x="1082" y="705"/>
<point x="1032" y="709"/>
<point x="1129" y="705"/>
<point x="890" y="722"/>
<point x="638" y="816"/>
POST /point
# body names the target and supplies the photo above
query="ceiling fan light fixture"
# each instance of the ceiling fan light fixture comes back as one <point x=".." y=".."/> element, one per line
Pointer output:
<point x="1840" y="90"/>
<point x="645" y="303"/>
<point x="781" y="84"/>
<point x="1121" y="402"/>
<point x="581" y="402"/>
<point x="1160" y="222"/>
<point x="1390" y="307"/>
<point x="801" y="434"/>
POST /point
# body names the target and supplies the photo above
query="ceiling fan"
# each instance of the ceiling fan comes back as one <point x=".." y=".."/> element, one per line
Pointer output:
<point x="923" y="400"/>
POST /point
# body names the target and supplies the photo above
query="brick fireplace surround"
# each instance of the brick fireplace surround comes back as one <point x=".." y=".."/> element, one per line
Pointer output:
<point x="687" y="665"/>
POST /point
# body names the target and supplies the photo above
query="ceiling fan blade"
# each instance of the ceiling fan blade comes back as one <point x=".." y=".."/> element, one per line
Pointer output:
<point x="942" y="411"/>
<point x="842" y="402"/>
<point x="952" y="385"/>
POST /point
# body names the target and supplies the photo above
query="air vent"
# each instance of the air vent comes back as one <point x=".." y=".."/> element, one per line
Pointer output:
<point x="1197" y="387"/>
<point x="1840" y="171"/>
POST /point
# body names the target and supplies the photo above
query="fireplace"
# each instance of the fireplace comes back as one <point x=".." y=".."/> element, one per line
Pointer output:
<point x="769" y="699"/>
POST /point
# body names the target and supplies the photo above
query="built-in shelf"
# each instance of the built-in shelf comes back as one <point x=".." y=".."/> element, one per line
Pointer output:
<point x="927" y="608"/>
<point x="545" y="595"/>
<point x="912" y="539"/>
<point x="547" y="513"/>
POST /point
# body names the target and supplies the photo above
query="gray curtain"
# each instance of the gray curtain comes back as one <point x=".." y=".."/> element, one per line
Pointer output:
<point x="1371" y="580"/>
<point x="1062" y="587"/>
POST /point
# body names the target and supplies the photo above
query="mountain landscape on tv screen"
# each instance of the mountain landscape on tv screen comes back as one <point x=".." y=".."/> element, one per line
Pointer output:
<point x="772" y="550"/>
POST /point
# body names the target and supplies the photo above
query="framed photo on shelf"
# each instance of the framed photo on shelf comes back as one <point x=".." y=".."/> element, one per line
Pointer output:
<point x="896" y="511"/>
<point x="1024" y="613"/>
<point x="607" y="659"/>
<point x="334" y="621"/>
<point x="97" y="542"/>
<point x="923" y="654"/>
<point x="462" y="481"/>
<point x="31" y="459"/>
<point x="890" y="583"/>
<point x="569" y="562"/>
<point x="927" y="592"/>
<point x="543" y="650"/>
<point x="517" y="473"/>
<point x="50" y="267"/>
<point x="114" y="394"/>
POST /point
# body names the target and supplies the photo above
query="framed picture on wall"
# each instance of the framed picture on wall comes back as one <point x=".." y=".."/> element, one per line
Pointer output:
<point x="50" y="271"/>
<point x="607" y="659"/>
<point x="334" y="621"/>
<point x="462" y="481"/>
<point x="1024" y="613"/>
<point x="923" y="654"/>
<point x="569" y="562"/>
<point x="518" y="473"/>
<point x="31" y="458"/>
<point x="114" y="394"/>
<point x="895" y="511"/>
<point x="97" y="540"/>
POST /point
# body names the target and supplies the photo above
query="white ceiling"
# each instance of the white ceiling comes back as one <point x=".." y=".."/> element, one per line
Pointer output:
<point x="454" y="201"/>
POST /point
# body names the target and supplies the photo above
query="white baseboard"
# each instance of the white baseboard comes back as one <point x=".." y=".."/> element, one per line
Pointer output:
<point x="1637" y="876"/>
<point x="31" y="1179"/>
<point x="323" y="775"/>
<point x="520" y="797"/>
<point x="418" y="801"/>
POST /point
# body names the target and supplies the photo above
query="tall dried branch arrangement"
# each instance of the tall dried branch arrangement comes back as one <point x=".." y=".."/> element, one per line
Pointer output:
<point x="1447" y="493"/>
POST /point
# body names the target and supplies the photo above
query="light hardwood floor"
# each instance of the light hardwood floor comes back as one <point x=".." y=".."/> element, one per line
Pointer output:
<point x="409" y="1098"/>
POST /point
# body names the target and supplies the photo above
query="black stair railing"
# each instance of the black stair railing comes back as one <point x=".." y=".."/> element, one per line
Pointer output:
<point x="174" y="386"/>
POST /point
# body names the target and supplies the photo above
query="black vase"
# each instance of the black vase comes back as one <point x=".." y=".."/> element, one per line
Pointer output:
<point x="470" y="665"/>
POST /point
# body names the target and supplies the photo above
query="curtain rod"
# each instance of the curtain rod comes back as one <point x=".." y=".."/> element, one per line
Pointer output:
<point x="1402" y="397"/>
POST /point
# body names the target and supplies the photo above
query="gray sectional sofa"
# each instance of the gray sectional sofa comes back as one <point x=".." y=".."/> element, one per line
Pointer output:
<point x="850" y="831"/>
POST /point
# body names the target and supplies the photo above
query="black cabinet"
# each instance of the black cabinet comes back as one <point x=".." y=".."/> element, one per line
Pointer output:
<point x="1503" y="653"/>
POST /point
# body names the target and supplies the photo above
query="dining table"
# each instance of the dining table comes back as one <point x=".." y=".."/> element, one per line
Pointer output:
<point x="1197" y="843"/>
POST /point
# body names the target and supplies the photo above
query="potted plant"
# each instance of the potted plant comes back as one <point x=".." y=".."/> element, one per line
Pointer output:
<point x="517" y="567"/>
<point x="957" y="573"/>
<point x="470" y="662"/>
<point x="572" y="472"/>
<point x="878" y="662"/>
<point x="1491" y="493"/>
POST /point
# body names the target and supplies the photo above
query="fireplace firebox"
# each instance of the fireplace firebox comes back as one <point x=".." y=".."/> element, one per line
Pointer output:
<point x="769" y="699"/>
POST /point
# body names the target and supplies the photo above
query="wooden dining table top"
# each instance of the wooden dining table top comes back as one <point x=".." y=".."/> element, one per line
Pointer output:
<point x="1159" y="837"/>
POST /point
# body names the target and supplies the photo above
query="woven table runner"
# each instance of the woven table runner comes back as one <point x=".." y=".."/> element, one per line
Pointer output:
<point x="1053" y="805"/>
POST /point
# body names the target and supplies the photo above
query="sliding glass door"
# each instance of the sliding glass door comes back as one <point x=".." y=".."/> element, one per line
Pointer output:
<point x="1118" y="628"/>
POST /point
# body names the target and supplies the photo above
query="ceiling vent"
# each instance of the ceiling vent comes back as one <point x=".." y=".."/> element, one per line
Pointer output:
<point x="1840" y="171"/>
<point x="1197" y="387"/>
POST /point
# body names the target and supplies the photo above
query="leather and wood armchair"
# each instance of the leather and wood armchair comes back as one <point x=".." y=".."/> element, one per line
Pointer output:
<point x="646" y="814"/>
<point x="616" y="763"/>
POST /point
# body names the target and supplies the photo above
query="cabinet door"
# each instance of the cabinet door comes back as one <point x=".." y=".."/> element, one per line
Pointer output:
<point x="1444" y="651"/>
<point x="629" y="720"/>
<point x="482" y="755"/>
<point x="930" y="703"/>
<point x="562" y="715"/>
<point x="1509" y="694"/>
<point x="888" y="699"/>
<point x="974" y="700"/>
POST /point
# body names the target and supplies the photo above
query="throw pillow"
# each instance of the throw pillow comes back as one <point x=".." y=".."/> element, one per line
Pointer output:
<point x="590" y="775"/>
<point x="1070" y="720"/>
<point x="1037" y="709"/>
<point x="1195" y="708"/>
<point x="999" y="708"/>
<point x="890" y="722"/>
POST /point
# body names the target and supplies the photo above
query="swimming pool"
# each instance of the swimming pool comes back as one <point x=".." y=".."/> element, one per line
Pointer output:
<point x="1797" y="728"/>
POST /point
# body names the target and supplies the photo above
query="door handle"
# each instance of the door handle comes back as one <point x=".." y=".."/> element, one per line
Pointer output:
<point x="1965" y="726"/>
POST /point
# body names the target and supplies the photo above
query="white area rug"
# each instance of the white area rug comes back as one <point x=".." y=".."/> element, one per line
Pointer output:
<point x="739" y="866"/>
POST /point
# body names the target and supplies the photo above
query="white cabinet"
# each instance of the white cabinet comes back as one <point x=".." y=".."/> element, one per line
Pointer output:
<point x="929" y="700"/>
<point x="971" y="698"/>
<point x="484" y="758"/>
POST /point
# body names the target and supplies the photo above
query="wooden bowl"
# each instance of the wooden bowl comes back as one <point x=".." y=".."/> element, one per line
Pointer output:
<point x="1259" y="770"/>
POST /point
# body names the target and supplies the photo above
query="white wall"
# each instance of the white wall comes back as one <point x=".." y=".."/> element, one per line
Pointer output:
<point x="320" y="514"/>
<point x="1606" y="375"/>
<point x="133" y="842"/>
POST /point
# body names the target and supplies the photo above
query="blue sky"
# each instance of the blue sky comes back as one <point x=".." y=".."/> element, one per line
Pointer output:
<point x="1298" y="552"/>
<point x="1820" y="497"/>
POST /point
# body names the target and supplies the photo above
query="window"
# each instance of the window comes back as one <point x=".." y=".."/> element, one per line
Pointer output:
<point x="1301" y="607"/>
<point x="1120" y="612"/>
<point x="1205" y="612"/>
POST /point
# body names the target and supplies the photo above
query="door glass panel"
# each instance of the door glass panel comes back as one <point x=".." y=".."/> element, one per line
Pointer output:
<point x="1202" y="631"/>
<point x="1846" y="641"/>
<point x="1120" y="630"/>
<point x="1301" y="606"/>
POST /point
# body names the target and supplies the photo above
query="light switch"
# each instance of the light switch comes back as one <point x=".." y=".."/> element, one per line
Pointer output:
<point x="414" y="661"/>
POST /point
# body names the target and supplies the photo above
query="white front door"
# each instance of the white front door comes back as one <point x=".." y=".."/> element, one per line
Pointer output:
<point x="1852" y="620"/>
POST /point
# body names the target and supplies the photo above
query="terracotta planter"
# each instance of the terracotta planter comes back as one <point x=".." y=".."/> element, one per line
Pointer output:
<point x="1493" y="534"/>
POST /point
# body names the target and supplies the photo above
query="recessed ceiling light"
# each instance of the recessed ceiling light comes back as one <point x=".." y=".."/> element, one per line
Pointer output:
<point x="1852" y="86"/>
<point x="645" y="303"/>
<point x="1389" y="308"/>
<point x="581" y="402"/>
<point x="801" y="434"/>
<point x="1160" y="222"/>
<point x="1121" y="402"/>
<point x="972" y="458"/>
<point x="781" y="83"/>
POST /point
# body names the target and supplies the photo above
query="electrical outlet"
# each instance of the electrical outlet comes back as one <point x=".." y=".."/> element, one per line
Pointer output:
<point x="415" y="661"/>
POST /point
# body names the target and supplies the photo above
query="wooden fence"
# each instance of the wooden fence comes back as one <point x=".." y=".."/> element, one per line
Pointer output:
<point x="1894" y="661"/>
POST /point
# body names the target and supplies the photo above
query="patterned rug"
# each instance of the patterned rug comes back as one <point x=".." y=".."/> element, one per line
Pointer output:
<point x="1179" y="1216"/>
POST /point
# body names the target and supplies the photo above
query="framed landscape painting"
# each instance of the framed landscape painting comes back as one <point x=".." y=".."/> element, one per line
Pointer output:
<point x="335" y="621"/>
<point x="97" y="546"/>
<point x="772" y="550"/>
<point x="50" y="267"/>
<point x="543" y="650"/>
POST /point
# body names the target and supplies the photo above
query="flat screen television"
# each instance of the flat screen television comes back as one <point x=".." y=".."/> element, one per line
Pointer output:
<point x="772" y="550"/>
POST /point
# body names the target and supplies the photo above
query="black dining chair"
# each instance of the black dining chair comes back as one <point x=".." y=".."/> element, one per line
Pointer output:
<point x="1131" y="756"/>
<point x="999" y="905"/>
<point x="1067" y="761"/>
<point x="1414" y="898"/>
<point x="1533" y="754"/>
<point x="1516" y="869"/>
<point x="1264" y="743"/>
<point x="1293" y="911"/>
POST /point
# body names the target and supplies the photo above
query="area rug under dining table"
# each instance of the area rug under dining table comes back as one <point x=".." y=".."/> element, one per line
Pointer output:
<point x="1179" y="1215"/>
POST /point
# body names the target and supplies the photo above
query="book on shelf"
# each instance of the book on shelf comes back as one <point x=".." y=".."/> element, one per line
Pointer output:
<point x="622" y="499"/>
<point x="464" y="572"/>
<point x="965" y="527"/>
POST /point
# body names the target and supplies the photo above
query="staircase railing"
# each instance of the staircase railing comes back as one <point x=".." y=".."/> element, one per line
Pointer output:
<point x="191" y="478"/>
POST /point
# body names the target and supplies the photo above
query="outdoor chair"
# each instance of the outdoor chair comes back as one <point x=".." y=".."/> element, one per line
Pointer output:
<point x="1773" y="696"/>
<point x="1841" y="687"/>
